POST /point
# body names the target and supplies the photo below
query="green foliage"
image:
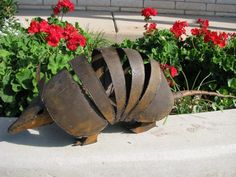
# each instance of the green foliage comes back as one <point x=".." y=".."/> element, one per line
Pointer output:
<point x="20" y="54"/>
<point x="201" y="65"/>
<point x="159" y="45"/>
<point x="8" y="8"/>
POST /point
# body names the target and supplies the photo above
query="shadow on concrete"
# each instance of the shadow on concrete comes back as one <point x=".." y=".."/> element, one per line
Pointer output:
<point x="47" y="136"/>
<point x="231" y="20"/>
<point x="117" y="128"/>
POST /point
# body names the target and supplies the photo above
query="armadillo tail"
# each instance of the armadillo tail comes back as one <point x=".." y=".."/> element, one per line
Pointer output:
<point x="181" y="94"/>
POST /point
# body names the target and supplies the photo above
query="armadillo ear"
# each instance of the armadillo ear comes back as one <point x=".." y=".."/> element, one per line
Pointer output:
<point x="34" y="116"/>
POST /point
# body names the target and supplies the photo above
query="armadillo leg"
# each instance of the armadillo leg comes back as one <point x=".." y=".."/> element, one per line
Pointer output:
<point x="144" y="126"/>
<point x="86" y="140"/>
<point x="140" y="127"/>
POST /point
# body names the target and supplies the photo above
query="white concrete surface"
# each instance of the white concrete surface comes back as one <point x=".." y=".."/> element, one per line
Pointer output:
<point x="194" y="7"/>
<point x="93" y="22"/>
<point x="197" y="145"/>
<point x="130" y="25"/>
<point x="118" y="26"/>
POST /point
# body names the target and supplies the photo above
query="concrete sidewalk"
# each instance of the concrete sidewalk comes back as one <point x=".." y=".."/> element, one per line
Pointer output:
<point x="118" y="26"/>
<point x="196" y="145"/>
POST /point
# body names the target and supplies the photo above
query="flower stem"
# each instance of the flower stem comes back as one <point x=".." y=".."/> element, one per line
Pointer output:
<point x="62" y="15"/>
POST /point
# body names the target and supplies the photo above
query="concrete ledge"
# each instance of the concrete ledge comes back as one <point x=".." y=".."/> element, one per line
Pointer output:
<point x="194" y="7"/>
<point x="130" y="25"/>
<point x="120" y="25"/>
<point x="196" y="145"/>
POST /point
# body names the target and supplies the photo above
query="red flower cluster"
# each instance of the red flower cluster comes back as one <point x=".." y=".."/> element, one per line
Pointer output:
<point x="55" y="33"/>
<point x="232" y="35"/>
<point x="210" y="36"/>
<point x="64" y="6"/>
<point x="178" y="28"/>
<point x="204" y="24"/>
<point x="147" y="12"/>
<point x="74" y="39"/>
<point x="151" y="27"/>
<point x="217" y="39"/>
<point x="172" y="70"/>
<point x="36" y="26"/>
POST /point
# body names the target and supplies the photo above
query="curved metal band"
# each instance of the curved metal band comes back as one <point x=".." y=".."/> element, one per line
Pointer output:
<point x="90" y="81"/>
<point x="150" y="92"/>
<point x="161" y="105"/>
<point x="114" y="65"/>
<point x="137" y="83"/>
<point x="70" y="108"/>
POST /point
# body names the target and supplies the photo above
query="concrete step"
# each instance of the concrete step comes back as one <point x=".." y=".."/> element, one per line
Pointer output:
<point x="196" y="145"/>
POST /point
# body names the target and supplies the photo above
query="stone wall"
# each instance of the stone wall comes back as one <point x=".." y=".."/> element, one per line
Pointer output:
<point x="189" y="7"/>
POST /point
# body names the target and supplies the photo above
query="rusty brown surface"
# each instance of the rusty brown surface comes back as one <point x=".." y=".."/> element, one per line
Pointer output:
<point x="90" y="81"/>
<point x="152" y="83"/>
<point x="70" y="108"/>
<point x="112" y="60"/>
<point x="115" y="87"/>
<point x="137" y="82"/>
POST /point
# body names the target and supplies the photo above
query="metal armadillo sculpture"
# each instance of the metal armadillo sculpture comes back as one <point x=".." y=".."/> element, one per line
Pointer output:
<point x="112" y="91"/>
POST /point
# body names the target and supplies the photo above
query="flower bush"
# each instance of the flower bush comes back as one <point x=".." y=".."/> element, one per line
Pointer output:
<point x="8" y="9"/>
<point x="49" y="43"/>
<point x="204" y="60"/>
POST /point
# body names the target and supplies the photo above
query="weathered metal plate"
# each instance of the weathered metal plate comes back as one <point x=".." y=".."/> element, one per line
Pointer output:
<point x="161" y="105"/>
<point x="27" y="116"/>
<point x="114" y="65"/>
<point x="150" y="92"/>
<point x="137" y="82"/>
<point x="92" y="84"/>
<point x="70" y="108"/>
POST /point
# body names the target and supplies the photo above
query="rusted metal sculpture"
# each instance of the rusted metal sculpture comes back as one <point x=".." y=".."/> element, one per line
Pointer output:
<point x="112" y="90"/>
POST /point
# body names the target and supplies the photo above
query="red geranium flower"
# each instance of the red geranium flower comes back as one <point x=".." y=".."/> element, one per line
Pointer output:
<point x="74" y="39"/>
<point x="217" y="39"/>
<point x="64" y="6"/>
<point x="178" y="28"/>
<point x="78" y="40"/>
<point x="147" y="12"/>
<point x="151" y="27"/>
<point x="203" y="23"/>
<point x="172" y="69"/>
<point x="232" y="35"/>
<point x="34" y="27"/>
<point x="196" y="31"/>
<point x="173" y="72"/>
<point x="55" y="33"/>
<point x="69" y="31"/>
<point x="72" y="44"/>
<point x="43" y="26"/>
<point x="56" y="10"/>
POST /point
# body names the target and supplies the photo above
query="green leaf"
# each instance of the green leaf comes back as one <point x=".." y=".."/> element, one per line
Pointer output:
<point x="2" y="68"/>
<point x="6" y="78"/>
<point x="16" y="87"/>
<point x="232" y="83"/>
<point x="4" y="53"/>
<point x="23" y="77"/>
<point x="7" y="98"/>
